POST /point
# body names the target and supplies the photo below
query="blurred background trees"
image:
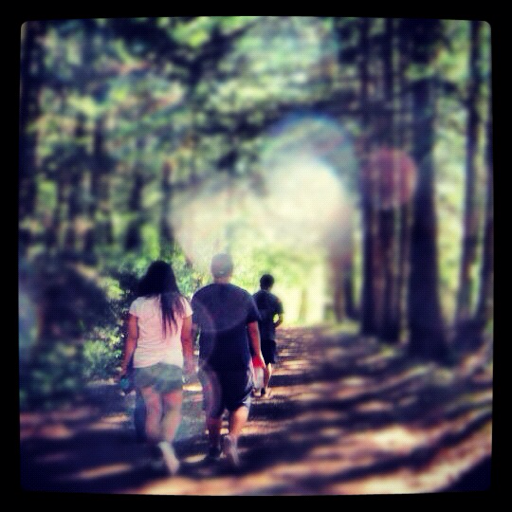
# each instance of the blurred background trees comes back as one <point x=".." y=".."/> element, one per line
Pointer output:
<point x="350" y="157"/>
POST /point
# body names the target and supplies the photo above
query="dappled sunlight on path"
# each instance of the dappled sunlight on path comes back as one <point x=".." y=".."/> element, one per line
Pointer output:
<point x="346" y="416"/>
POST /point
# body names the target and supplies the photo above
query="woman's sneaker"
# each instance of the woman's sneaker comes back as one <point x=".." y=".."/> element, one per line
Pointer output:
<point x="171" y="461"/>
<point x="230" y="451"/>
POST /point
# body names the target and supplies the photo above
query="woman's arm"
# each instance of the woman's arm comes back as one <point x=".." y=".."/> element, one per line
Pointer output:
<point x="130" y="344"/>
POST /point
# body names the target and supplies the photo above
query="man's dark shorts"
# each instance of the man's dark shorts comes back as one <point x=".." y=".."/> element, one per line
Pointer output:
<point x="269" y="350"/>
<point x="163" y="377"/>
<point x="225" y="390"/>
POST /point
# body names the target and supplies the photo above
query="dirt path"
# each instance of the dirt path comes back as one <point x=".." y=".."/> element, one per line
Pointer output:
<point x="347" y="416"/>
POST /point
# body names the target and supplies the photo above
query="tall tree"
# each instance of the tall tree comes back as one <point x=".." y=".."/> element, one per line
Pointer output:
<point x="368" y="299"/>
<point x="427" y="337"/>
<point x="469" y="333"/>
<point x="389" y="324"/>
<point x="471" y="212"/>
<point x="484" y="309"/>
<point x="32" y="80"/>
<point x="99" y="211"/>
<point x="75" y="170"/>
<point x="166" y="233"/>
<point x="133" y="235"/>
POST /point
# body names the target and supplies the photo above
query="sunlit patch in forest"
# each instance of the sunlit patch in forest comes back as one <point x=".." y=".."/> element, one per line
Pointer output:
<point x="293" y="366"/>
<point x="308" y="166"/>
<point x="301" y="201"/>
<point x="110" y="422"/>
<point x="283" y="216"/>
<point x="437" y="473"/>
<point x="87" y="474"/>
<point x="396" y="438"/>
<point x="295" y="46"/>
<point x="49" y="431"/>
<point x="375" y="406"/>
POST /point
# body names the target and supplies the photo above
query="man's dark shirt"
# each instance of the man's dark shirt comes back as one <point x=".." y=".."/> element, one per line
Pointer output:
<point x="222" y="312"/>
<point x="269" y="306"/>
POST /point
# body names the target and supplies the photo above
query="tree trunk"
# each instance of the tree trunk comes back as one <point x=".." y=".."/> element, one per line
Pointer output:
<point x="74" y="170"/>
<point x="368" y="305"/>
<point x="484" y="311"/>
<point x="348" y="287"/>
<point x="389" y="329"/>
<point x="469" y="334"/>
<point x="388" y="325"/>
<point x="337" y="289"/>
<point x="31" y="70"/>
<point x="303" y="308"/>
<point x="133" y="238"/>
<point x="101" y="231"/>
<point x="403" y="270"/>
<point x="166" y="233"/>
<point x="471" y="214"/>
<point x="426" y="329"/>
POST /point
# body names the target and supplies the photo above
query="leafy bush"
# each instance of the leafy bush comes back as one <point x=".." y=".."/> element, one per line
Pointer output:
<point x="100" y="359"/>
<point x="52" y="377"/>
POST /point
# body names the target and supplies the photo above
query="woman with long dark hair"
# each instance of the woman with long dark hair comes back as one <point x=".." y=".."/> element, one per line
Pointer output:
<point x="159" y="341"/>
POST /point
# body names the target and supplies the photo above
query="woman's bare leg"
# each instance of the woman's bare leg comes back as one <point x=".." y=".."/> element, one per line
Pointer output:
<point x="153" y="405"/>
<point x="172" y="414"/>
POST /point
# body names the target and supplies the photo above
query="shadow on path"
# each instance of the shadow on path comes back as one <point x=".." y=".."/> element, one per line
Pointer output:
<point x="347" y="416"/>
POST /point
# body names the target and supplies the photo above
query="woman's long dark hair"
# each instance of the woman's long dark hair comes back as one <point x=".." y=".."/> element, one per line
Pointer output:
<point x="160" y="280"/>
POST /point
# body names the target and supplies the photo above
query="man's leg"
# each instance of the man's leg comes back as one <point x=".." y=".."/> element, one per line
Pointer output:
<point x="266" y="376"/>
<point x="238" y="401"/>
<point x="214" y="426"/>
<point x="237" y="420"/>
<point x="212" y="408"/>
<point x="270" y="359"/>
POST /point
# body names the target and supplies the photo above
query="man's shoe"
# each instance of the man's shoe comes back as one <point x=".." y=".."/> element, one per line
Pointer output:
<point x="230" y="451"/>
<point x="171" y="461"/>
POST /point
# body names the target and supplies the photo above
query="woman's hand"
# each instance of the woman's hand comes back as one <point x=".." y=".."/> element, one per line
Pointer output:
<point x="122" y="372"/>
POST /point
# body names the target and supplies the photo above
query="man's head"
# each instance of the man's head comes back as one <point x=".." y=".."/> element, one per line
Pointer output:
<point x="222" y="266"/>
<point x="266" y="282"/>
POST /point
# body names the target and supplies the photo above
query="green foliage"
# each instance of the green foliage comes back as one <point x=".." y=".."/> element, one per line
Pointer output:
<point x="53" y="376"/>
<point x="205" y="94"/>
<point x="101" y="358"/>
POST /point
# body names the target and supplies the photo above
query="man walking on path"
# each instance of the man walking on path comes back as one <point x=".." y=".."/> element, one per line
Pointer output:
<point x="226" y="318"/>
<point x="269" y="307"/>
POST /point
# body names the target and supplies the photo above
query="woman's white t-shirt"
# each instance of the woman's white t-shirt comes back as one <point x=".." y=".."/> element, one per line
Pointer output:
<point x="152" y="346"/>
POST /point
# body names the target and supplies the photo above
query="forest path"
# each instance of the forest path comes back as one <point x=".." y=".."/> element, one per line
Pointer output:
<point x="346" y="416"/>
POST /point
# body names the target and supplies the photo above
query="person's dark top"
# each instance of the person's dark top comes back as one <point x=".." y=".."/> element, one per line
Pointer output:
<point x="222" y="312"/>
<point x="268" y="306"/>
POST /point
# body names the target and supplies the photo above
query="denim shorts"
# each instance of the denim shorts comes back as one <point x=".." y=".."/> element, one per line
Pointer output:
<point x="225" y="390"/>
<point x="162" y="377"/>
